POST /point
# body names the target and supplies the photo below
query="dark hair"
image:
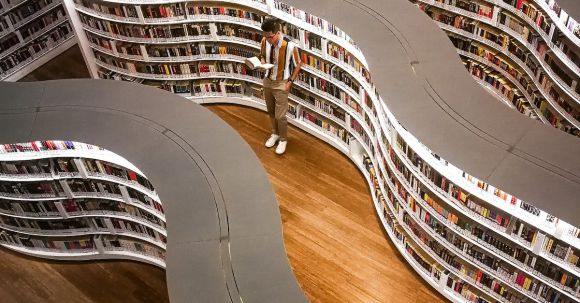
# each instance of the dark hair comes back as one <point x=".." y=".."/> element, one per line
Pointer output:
<point x="270" y="25"/>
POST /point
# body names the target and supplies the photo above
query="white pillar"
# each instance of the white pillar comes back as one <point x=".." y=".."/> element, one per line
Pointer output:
<point x="61" y="209"/>
<point x="140" y="13"/>
<point x="81" y="37"/>
<point x="68" y="192"/>
<point x="81" y="167"/>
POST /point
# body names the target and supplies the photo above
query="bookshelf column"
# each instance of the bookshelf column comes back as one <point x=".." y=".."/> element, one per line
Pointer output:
<point x="440" y="221"/>
<point x="552" y="31"/>
<point x="81" y="167"/>
<point x="67" y="191"/>
<point x="496" y="10"/>
<point x="140" y="13"/>
<point x="81" y="38"/>
<point x="114" y="48"/>
<point x="144" y="52"/>
<point x="61" y="209"/>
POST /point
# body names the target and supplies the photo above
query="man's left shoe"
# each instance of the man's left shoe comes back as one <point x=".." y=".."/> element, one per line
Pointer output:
<point x="281" y="148"/>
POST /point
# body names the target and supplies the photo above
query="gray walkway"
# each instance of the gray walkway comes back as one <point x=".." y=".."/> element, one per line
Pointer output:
<point x="417" y="71"/>
<point x="223" y="224"/>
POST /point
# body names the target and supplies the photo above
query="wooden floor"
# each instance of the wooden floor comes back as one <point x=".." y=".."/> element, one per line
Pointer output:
<point x="334" y="242"/>
<point x="68" y="65"/>
<point x="333" y="238"/>
<point x="30" y="280"/>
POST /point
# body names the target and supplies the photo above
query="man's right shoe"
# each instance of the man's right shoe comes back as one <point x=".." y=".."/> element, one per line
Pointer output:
<point x="272" y="140"/>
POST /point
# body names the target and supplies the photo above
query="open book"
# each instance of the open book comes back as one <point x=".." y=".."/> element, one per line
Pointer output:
<point x="254" y="63"/>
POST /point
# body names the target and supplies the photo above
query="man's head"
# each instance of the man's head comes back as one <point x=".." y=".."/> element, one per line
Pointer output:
<point x="270" y="30"/>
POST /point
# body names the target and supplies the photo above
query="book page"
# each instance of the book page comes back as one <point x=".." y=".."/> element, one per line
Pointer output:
<point x="254" y="63"/>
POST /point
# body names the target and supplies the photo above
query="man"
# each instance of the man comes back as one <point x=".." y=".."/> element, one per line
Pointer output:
<point x="280" y="51"/>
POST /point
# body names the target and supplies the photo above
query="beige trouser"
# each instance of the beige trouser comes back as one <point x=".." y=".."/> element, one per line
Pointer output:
<point x="276" y="98"/>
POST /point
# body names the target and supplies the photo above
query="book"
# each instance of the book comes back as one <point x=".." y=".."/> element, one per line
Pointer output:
<point x="255" y="63"/>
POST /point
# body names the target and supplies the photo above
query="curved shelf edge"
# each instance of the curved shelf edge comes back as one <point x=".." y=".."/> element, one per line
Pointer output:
<point x="224" y="230"/>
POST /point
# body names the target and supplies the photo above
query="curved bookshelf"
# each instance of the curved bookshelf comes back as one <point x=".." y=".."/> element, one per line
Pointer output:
<point x="554" y="58"/>
<point x="453" y="229"/>
<point x="81" y="194"/>
<point x="31" y="33"/>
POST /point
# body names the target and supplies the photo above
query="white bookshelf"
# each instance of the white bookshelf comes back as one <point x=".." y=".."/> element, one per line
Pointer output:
<point x="119" y="214"/>
<point x="375" y="123"/>
<point x="568" y="92"/>
<point x="49" y="34"/>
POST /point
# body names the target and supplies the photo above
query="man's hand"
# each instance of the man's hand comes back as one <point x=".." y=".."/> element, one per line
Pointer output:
<point x="288" y="86"/>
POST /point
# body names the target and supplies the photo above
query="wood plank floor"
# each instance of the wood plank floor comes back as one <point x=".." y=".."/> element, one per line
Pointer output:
<point x="333" y="238"/>
<point x="30" y="280"/>
<point x="334" y="241"/>
<point x="68" y="65"/>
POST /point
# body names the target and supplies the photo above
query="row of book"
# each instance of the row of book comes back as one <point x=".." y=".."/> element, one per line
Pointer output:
<point x="25" y="168"/>
<point x="461" y="196"/>
<point x="75" y="207"/>
<point x="476" y="275"/>
<point x="500" y="38"/>
<point x="535" y="41"/>
<point x="535" y="289"/>
<point x="163" y="11"/>
<point x="67" y="165"/>
<point x="82" y="243"/>
<point x="132" y="245"/>
<point x="83" y="206"/>
<point x="494" y="80"/>
<point x="111" y="169"/>
<point x="126" y="11"/>
<point x="432" y="268"/>
<point x="40" y="208"/>
<point x="46" y="225"/>
<point x="42" y="23"/>
<point x="530" y="285"/>
<point x="542" y="267"/>
<point x="226" y="11"/>
<point x="222" y="30"/>
<point x="561" y="251"/>
<point x="345" y="56"/>
<point x="232" y="30"/>
<point x="19" y="54"/>
<point x="480" y="9"/>
<point x="130" y="226"/>
<point x="324" y="86"/>
<point x="510" y="45"/>
<point x="359" y="129"/>
<point x="325" y="125"/>
<point x="146" y="32"/>
<point x="201" y="48"/>
<point x="315" y="21"/>
<point x="540" y="102"/>
<point x="28" y="10"/>
<point x="532" y="12"/>
<point x="78" y="187"/>
<point x="12" y="238"/>
<point x="520" y="28"/>
<point x="44" y="188"/>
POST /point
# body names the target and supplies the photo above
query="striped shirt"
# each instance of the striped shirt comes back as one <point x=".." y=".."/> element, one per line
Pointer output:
<point x="284" y="55"/>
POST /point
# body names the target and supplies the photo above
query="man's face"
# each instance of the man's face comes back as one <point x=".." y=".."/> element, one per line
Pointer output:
<point x="271" y="37"/>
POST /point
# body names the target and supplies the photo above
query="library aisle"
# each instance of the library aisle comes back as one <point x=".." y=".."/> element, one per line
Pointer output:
<point x="334" y="241"/>
<point x="333" y="238"/>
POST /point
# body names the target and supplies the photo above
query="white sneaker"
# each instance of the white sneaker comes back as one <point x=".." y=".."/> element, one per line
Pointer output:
<point x="272" y="140"/>
<point x="281" y="148"/>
